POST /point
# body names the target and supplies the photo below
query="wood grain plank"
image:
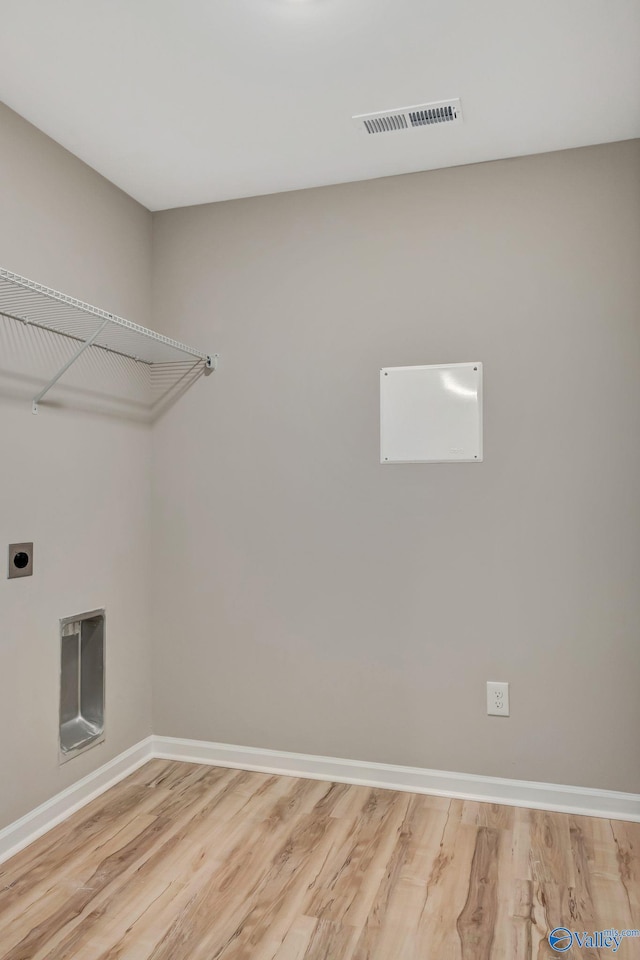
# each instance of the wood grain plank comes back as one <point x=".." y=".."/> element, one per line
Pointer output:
<point x="476" y="922"/>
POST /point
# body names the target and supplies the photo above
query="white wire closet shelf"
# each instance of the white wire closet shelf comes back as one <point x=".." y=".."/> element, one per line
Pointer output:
<point x="33" y="303"/>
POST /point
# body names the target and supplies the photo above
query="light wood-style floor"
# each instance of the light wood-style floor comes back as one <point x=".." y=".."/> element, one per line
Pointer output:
<point x="189" y="862"/>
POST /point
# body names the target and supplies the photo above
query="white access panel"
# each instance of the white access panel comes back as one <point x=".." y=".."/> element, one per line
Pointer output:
<point x="431" y="414"/>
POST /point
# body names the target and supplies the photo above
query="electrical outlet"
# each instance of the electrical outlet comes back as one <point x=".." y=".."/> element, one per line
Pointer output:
<point x="497" y="699"/>
<point x="20" y="560"/>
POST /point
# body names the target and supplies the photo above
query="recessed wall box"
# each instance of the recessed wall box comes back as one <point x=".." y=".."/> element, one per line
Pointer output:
<point x="82" y="659"/>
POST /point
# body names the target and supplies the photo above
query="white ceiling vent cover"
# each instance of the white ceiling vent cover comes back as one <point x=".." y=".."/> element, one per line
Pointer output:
<point x="410" y="118"/>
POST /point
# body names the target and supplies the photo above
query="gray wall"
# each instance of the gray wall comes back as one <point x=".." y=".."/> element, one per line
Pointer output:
<point x="75" y="479"/>
<point x="303" y="596"/>
<point x="307" y="598"/>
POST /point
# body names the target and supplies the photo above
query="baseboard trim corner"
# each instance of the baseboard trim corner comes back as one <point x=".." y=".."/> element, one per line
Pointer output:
<point x="43" y="818"/>
<point x="584" y="801"/>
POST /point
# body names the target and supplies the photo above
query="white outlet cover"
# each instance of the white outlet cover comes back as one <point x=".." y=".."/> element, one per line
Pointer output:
<point x="497" y="698"/>
<point x="431" y="414"/>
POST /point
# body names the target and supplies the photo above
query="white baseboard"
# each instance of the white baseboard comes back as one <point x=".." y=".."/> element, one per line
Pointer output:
<point x="465" y="786"/>
<point x="24" y="831"/>
<point x="585" y="801"/>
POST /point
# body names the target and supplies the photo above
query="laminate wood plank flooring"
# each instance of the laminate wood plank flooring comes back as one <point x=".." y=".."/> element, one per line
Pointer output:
<point x="190" y="862"/>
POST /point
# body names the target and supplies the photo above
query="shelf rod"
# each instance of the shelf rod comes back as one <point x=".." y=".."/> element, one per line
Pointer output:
<point x="72" y="360"/>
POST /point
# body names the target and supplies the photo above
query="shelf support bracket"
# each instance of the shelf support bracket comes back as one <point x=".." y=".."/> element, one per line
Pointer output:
<point x="70" y="361"/>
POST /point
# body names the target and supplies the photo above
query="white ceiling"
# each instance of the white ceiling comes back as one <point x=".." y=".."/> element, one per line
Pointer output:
<point x="189" y="101"/>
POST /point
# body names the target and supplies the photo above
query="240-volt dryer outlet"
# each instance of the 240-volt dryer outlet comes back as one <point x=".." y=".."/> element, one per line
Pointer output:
<point x="20" y="560"/>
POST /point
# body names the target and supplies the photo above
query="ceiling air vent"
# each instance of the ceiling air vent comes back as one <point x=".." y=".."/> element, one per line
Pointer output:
<point x="410" y="118"/>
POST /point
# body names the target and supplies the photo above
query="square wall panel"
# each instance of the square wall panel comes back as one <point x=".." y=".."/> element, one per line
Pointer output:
<point x="431" y="414"/>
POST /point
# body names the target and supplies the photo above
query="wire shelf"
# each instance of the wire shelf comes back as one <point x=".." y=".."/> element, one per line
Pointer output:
<point x="42" y="307"/>
<point x="48" y="309"/>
